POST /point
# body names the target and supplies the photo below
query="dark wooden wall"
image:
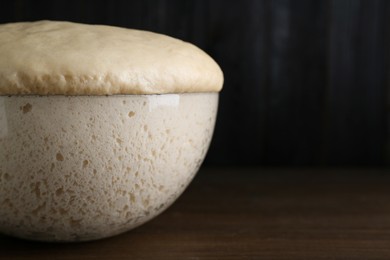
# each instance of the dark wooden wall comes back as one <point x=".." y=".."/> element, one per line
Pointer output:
<point x="306" y="81"/>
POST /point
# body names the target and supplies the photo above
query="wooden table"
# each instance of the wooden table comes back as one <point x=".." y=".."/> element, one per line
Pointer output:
<point x="252" y="213"/>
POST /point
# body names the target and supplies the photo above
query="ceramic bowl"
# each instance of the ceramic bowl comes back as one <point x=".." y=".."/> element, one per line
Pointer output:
<point x="77" y="168"/>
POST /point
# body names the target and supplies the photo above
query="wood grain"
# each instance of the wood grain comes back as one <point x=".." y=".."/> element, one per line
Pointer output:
<point x="252" y="213"/>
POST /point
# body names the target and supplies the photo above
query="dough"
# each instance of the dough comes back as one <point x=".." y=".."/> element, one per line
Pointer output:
<point x="64" y="58"/>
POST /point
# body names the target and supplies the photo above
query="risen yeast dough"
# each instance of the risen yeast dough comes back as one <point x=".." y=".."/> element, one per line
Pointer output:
<point x="63" y="58"/>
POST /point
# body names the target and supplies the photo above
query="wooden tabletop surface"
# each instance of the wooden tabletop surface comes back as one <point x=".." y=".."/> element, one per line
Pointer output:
<point x="252" y="213"/>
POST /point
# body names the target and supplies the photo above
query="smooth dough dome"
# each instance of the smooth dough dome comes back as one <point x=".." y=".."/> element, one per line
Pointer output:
<point x="64" y="58"/>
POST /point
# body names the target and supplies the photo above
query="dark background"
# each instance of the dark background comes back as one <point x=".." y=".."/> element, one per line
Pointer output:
<point x="306" y="81"/>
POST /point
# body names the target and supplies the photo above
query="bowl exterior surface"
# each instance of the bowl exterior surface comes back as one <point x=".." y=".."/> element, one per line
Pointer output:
<point x="77" y="168"/>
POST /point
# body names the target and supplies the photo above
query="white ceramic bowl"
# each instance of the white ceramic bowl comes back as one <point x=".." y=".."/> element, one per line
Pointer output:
<point x="76" y="168"/>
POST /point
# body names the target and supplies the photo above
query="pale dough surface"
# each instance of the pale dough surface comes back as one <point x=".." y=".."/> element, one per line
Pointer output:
<point x="64" y="58"/>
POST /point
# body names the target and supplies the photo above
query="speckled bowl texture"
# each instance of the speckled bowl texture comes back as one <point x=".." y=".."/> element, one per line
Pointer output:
<point x="77" y="168"/>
